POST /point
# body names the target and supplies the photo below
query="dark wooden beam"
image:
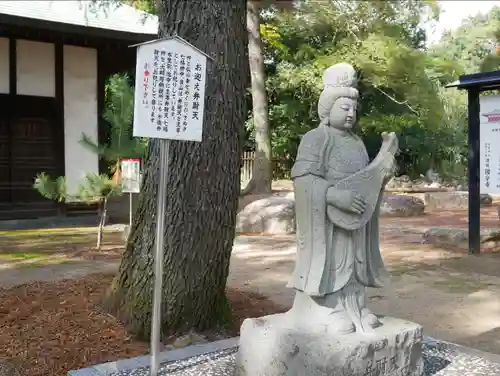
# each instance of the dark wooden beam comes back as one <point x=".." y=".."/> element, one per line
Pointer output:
<point x="12" y="67"/>
<point x="59" y="121"/>
<point x="102" y="126"/>
<point x="473" y="167"/>
<point x="11" y="105"/>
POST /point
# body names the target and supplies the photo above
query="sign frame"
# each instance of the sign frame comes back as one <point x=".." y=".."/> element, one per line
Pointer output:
<point x="132" y="165"/>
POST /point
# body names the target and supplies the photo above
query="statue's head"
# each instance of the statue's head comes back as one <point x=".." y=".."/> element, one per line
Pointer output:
<point x="337" y="105"/>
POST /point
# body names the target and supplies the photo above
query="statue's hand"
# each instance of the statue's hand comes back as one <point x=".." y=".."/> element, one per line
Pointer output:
<point x="389" y="166"/>
<point x="346" y="200"/>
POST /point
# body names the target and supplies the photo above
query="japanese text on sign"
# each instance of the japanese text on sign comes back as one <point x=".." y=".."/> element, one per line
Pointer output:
<point x="130" y="175"/>
<point x="172" y="93"/>
<point x="490" y="144"/>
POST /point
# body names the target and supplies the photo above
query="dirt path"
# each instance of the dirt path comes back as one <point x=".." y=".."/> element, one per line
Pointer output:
<point x="455" y="297"/>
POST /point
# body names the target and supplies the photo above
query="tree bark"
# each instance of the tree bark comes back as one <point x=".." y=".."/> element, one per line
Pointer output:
<point x="203" y="186"/>
<point x="262" y="171"/>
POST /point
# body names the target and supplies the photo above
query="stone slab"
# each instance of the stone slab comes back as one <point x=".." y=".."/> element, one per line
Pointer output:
<point x="125" y="366"/>
<point x="284" y="348"/>
<point x="440" y="359"/>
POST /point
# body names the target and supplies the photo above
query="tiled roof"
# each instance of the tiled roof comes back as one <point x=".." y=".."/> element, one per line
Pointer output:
<point x="121" y="17"/>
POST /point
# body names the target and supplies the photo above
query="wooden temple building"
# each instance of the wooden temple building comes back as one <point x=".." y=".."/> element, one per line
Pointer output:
<point x="54" y="59"/>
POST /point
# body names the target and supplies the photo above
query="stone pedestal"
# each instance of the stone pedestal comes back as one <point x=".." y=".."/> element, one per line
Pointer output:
<point x="276" y="346"/>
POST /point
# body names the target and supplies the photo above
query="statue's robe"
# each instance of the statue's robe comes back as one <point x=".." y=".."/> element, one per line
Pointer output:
<point x="328" y="256"/>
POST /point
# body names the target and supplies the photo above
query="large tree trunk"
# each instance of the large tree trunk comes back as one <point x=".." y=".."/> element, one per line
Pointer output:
<point x="262" y="171"/>
<point x="203" y="186"/>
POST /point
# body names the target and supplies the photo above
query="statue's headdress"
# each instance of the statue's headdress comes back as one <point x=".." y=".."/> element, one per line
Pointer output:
<point x="339" y="80"/>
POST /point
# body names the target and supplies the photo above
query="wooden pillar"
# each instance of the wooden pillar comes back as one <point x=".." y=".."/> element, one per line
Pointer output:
<point x="59" y="85"/>
<point x="59" y="121"/>
<point x="102" y="127"/>
<point x="11" y="109"/>
<point x="473" y="167"/>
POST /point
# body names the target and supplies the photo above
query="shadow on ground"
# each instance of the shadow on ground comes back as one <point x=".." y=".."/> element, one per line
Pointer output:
<point x="455" y="297"/>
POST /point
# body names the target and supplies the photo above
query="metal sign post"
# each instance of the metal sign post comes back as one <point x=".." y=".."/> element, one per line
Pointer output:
<point x="159" y="243"/>
<point x="169" y="105"/>
<point x="130" y="205"/>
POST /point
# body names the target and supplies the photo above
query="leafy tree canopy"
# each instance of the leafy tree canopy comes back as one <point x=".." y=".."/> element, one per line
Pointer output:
<point x="470" y="43"/>
<point x="400" y="86"/>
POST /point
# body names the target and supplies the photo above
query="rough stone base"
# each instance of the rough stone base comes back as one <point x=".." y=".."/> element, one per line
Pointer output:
<point x="450" y="237"/>
<point x="274" y="346"/>
<point x="271" y="215"/>
<point x="453" y="200"/>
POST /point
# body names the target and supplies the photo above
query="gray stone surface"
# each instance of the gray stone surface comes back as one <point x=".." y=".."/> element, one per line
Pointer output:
<point x="8" y="369"/>
<point x="457" y="237"/>
<point x="401" y="206"/>
<point x="129" y="366"/>
<point x="452" y="200"/>
<point x="271" y="215"/>
<point x="282" y="347"/>
<point x="337" y="192"/>
<point x="126" y="232"/>
<point x="439" y="359"/>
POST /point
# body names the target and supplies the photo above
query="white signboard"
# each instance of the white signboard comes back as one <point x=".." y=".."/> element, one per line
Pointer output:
<point x="489" y="114"/>
<point x="131" y="175"/>
<point x="169" y="90"/>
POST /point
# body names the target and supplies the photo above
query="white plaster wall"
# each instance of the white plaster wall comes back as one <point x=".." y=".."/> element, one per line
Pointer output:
<point x="80" y="112"/>
<point x="4" y="66"/>
<point x="35" y="68"/>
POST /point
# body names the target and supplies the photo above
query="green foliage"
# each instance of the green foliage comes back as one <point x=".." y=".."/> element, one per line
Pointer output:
<point x="144" y="5"/>
<point x="54" y="190"/>
<point x="490" y="63"/>
<point x="118" y="113"/>
<point x="472" y="42"/>
<point x="401" y="84"/>
<point x="93" y="188"/>
<point x="147" y="6"/>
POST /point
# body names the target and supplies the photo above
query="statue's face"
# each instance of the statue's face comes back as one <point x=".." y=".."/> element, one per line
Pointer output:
<point x="343" y="113"/>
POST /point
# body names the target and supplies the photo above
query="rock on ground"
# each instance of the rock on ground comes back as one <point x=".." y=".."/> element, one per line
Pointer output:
<point x="401" y="206"/>
<point x="430" y="181"/>
<point x="452" y="200"/>
<point x="459" y="237"/>
<point x="272" y="215"/>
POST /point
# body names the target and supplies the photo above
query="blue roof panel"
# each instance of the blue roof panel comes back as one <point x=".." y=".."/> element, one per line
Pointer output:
<point x="481" y="81"/>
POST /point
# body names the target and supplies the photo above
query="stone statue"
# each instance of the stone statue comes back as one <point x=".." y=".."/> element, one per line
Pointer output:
<point x="337" y="194"/>
<point x="329" y="330"/>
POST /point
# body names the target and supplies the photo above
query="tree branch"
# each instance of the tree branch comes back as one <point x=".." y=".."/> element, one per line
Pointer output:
<point x="404" y="103"/>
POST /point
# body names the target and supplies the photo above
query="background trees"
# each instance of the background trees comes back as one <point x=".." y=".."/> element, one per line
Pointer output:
<point x="403" y="78"/>
<point x="402" y="88"/>
<point x="385" y="42"/>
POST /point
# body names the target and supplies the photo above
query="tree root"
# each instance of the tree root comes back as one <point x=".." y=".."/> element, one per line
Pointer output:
<point x="249" y="188"/>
